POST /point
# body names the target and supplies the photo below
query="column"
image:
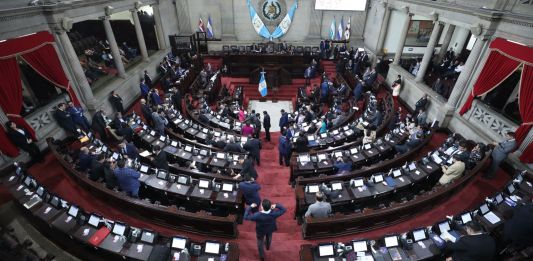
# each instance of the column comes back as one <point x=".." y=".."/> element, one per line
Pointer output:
<point x="383" y="30"/>
<point x="445" y="43"/>
<point x="114" y="47"/>
<point x="139" y="33"/>
<point x="226" y="30"/>
<point x="403" y="35"/>
<point x="82" y="87"/>
<point x="460" y="84"/>
<point x="161" y="37"/>
<point x="184" y="22"/>
<point x="433" y="39"/>
<point x="315" y="21"/>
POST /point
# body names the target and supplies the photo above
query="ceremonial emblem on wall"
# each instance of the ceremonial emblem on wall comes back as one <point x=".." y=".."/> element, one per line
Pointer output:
<point x="273" y="10"/>
<point x="272" y="16"/>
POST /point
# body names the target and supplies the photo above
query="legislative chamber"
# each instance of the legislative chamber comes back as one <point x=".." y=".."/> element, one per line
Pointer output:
<point x="312" y="130"/>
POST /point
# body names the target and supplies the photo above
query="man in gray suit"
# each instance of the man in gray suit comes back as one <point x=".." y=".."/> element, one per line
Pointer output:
<point x="319" y="209"/>
<point x="499" y="153"/>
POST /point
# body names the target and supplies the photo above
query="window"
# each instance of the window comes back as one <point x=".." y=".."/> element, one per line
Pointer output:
<point x="504" y="98"/>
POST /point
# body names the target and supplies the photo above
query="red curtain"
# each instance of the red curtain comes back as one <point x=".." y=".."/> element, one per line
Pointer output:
<point x="46" y="62"/>
<point x="11" y="93"/>
<point x="497" y="68"/>
<point x="525" y="101"/>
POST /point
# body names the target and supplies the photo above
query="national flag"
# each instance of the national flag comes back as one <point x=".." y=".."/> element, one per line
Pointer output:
<point x="257" y="23"/>
<point x="332" y="30"/>
<point x="347" y="30"/>
<point x="201" y="26"/>
<point x="340" y="29"/>
<point x="210" y="33"/>
<point x="262" y="85"/>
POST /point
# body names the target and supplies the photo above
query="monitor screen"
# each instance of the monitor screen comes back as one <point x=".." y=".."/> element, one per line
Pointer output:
<point x="221" y="155"/>
<point x="203" y="152"/>
<point x="310" y="138"/>
<point x="152" y="133"/>
<point x="182" y="180"/>
<point x="94" y="220"/>
<point x="162" y="174"/>
<point x="227" y="187"/>
<point x="217" y="134"/>
<point x="188" y="148"/>
<point x="27" y="181"/>
<point x="444" y="226"/>
<point x="353" y="151"/>
<point x="179" y="242"/>
<point x="336" y="186"/>
<point x="419" y="235"/>
<point x="358" y="182"/>
<point x="499" y="198"/>
<point x="323" y="135"/>
<point x="203" y="183"/>
<point x="115" y="156"/>
<point x="378" y="178"/>
<point x="119" y="229"/>
<point x="396" y="173"/>
<point x="174" y="144"/>
<point x="367" y="146"/>
<point x="104" y="148"/>
<point x="204" y="130"/>
<point x="304" y="158"/>
<point x="325" y="250"/>
<point x="484" y="209"/>
<point x="312" y="188"/>
<point x="335" y="132"/>
<point x="235" y="157"/>
<point x="212" y="248"/>
<point x="360" y="246"/>
<point x="466" y="217"/>
<point x="40" y="191"/>
<point x="244" y="139"/>
<point x="511" y="188"/>
<point x="338" y="154"/>
<point x="321" y="157"/>
<point x="54" y="201"/>
<point x="144" y="169"/>
<point x="391" y="241"/>
<point x="73" y="211"/>
<point x="162" y="138"/>
<point x="412" y="166"/>
<point x="148" y="237"/>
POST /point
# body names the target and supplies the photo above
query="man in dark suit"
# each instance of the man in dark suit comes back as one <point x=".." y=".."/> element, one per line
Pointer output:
<point x="266" y="124"/>
<point x="250" y="191"/>
<point x="96" y="171"/>
<point x="422" y="103"/>
<point x="500" y="152"/>
<point x="159" y="159"/>
<point x="377" y="119"/>
<point x="232" y="146"/>
<point x="129" y="150"/>
<point x="410" y="144"/>
<point x="253" y="146"/>
<point x="146" y="111"/>
<point x="284" y="149"/>
<point x="519" y="228"/>
<point x="122" y="127"/>
<point x="474" y="246"/>
<point x="147" y="78"/>
<point x="127" y="178"/>
<point x="284" y="120"/>
<point x="100" y="124"/>
<point x="23" y="140"/>
<point x="248" y="168"/>
<point x="64" y="119"/>
<point x="79" y="119"/>
<point x="84" y="159"/>
<point x="116" y="102"/>
<point x="176" y="99"/>
<point x="265" y="223"/>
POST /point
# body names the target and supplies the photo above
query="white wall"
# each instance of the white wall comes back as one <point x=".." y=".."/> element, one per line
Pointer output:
<point x="459" y="38"/>
<point x="396" y="22"/>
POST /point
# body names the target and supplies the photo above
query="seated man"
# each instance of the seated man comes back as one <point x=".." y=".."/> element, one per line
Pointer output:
<point x="452" y="172"/>
<point x="341" y="165"/>
<point x="127" y="178"/>
<point x="319" y="209"/>
<point x="84" y="159"/>
<point x="476" y="245"/>
<point x="410" y="144"/>
<point x="122" y="127"/>
<point x="159" y="158"/>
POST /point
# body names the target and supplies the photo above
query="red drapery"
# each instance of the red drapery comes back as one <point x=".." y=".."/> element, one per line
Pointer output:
<point x="525" y="101"/>
<point x="496" y="70"/>
<point x="45" y="62"/>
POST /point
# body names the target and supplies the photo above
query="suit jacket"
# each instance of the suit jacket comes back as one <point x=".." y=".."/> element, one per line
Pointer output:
<point x="253" y="146"/>
<point x="128" y="179"/>
<point x="248" y="169"/>
<point x="250" y="191"/>
<point x="19" y="139"/>
<point x="265" y="223"/>
<point x="84" y="161"/>
<point x="519" y="228"/>
<point x="501" y="150"/>
<point x="473" y="248"/>
<point x="131" y="151"/>
<point x="233" y="147"/>
<point x="452" y="172"/>
<point x="159" y="122"/>
<point x="284" y="147"/>
<point x="283" y="121"/>
<point x="65" y="121"/>
<point x="97" y="170"/>
<point x="116" y="101"/>
<point x="99" y="124"/>
<point x="319" y="209"/>
<point x="77" y="114"/>
<point x="160" y="161"/>
<point x="147" y="112"/>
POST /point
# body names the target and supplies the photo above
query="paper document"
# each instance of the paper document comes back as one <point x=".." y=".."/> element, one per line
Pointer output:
<point x="492" y="218"/>
<point x="145" y="153"/>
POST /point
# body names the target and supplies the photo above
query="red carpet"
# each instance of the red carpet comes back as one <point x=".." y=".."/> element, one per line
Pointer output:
<point x="273" y="179"/>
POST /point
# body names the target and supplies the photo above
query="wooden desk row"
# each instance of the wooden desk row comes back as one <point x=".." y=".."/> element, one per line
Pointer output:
<point x="368" y="219"/>
<point x="200" y="222"/>
<point x="421" y="243"/>
<point x="77" y="231"/>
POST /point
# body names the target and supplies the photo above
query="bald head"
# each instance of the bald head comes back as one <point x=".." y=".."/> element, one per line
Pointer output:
<point x="143" y="101"/>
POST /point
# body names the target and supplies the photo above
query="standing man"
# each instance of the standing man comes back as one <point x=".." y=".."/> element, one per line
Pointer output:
<point x="64" y="119"/>
<point x="499" y="153"/>
<point x="284" y="120"/>
<point x="250" y="191"/>
<point x="77" y="116"/>
<point x="266" y="124"/>
<point x="257" y="127"/>
<point x="253" y="146"/>
<point x="284" y="148"/>
<point x="100" y="124"/>
<point x="128" y="179"/>
<point x="422" y="103"/>
<point x="23" y="140"/>
<point x="116" y="102"/>
<point x="159" y="158"/>
<point x="265" y="223"/>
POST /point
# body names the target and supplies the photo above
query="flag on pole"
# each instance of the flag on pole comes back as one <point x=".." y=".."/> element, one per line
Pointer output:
<point x="340" y="29"/>
<point x="210" y="33"/>
<point x="263" y="85"/>
<point x="347" y="31"/>
<point x="201" y="26"/>
<point x="332" y="29"/>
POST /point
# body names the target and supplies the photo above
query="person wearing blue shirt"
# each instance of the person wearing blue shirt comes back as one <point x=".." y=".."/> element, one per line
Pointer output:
<point x="144" y="89"/>
<point x="378" y="118"/>
<point x="250" y="190"/>
<point x="284" y="120"/>
<point x="77" y="116"/>
<point x="128" y="150"/>
<point x="154" y="97"/>
<point x="358" y="91"/>
<point x="307" y="76"/>
<point x="265" y="223"/>
<point x="128" y="179"/>
<point x="284" y="148"/>
<point x="341" y="165"/>
<point x="324" y="91"/>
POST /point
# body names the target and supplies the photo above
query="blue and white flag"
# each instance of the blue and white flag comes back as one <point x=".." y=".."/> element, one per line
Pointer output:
<point x="283" y="27"/>
<point x="263" y="85"/>
<point x="332" y="30"/>
<point x="257" y="23"/>
<point x="347" y="30"/>
<point x="210" y="33"/>
<point x="340" y="29"/>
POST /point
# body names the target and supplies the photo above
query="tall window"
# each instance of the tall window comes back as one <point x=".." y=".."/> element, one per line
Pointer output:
<point x="504" y="98"/>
